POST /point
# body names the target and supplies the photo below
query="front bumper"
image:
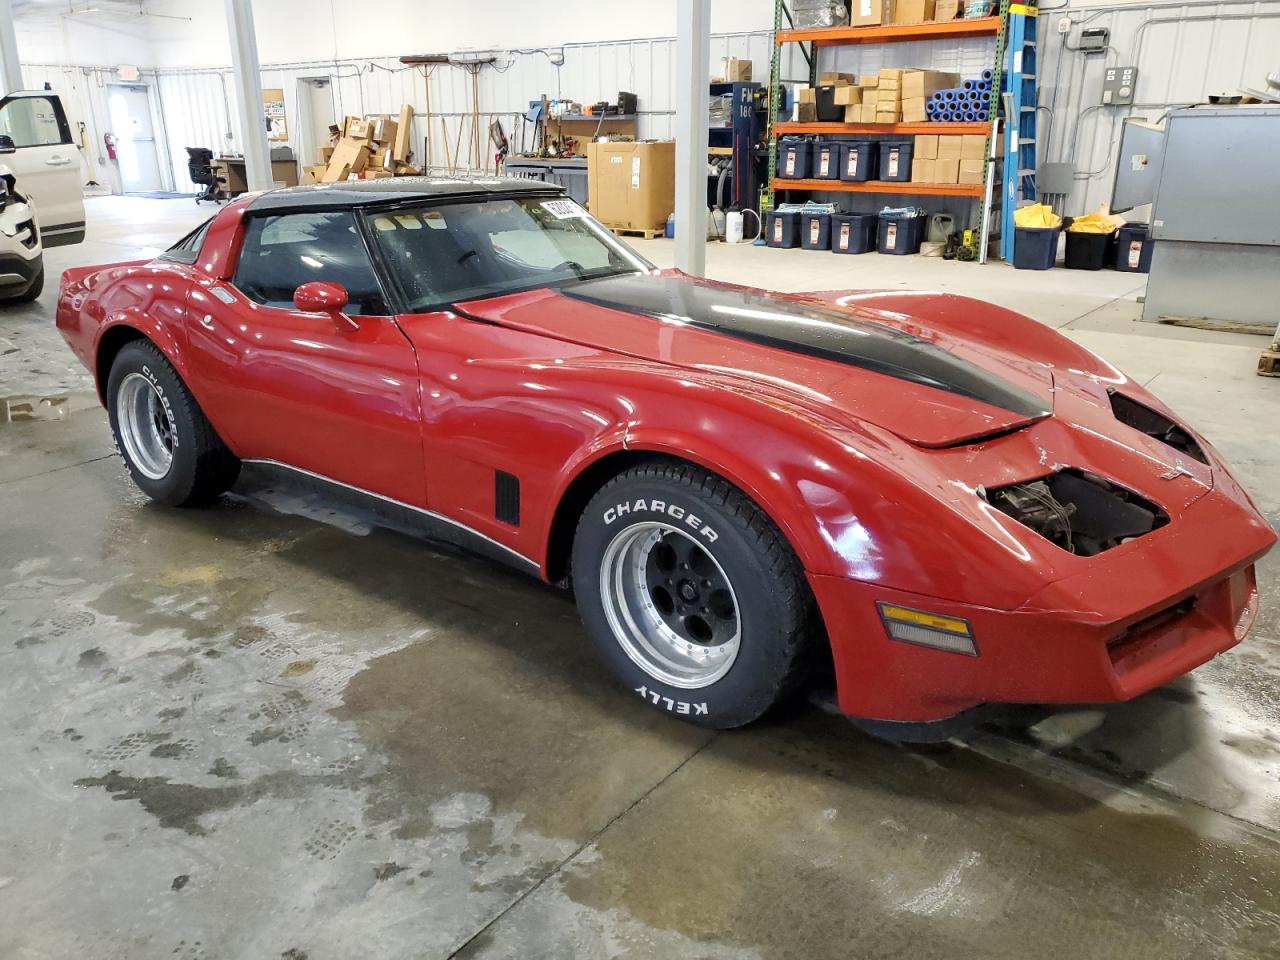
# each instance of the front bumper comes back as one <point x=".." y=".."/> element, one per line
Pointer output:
<point x="1145" y="613"/>
<point x="20" y="249"/>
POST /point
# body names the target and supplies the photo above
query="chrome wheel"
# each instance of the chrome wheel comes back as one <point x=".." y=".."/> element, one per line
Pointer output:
<point x="670" y="605"/>
<point x="145" y="429"/>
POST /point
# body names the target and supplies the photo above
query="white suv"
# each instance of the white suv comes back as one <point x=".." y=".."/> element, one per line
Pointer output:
<point x="21" y="253"/>
<point x="39" y="173"/>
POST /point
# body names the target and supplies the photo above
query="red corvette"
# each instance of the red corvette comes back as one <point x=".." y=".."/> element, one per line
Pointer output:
<point x="957" y="502"/>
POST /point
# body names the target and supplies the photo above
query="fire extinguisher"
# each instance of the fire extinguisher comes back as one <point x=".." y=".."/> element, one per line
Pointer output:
<point x="110" y="140"/>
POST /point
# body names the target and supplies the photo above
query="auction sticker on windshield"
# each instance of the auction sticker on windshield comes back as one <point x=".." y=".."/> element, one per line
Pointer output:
<point x="563" y="209"/>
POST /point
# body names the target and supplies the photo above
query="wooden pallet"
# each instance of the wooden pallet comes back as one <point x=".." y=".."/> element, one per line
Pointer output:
<point x="1269" y="363"/>
<point x="634" y="232"/>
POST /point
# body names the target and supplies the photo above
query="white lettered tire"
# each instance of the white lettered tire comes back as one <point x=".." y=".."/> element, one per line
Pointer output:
<point x="692" y="595"/>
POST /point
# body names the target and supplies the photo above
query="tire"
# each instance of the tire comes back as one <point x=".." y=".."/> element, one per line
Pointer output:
<point x="692" y="595"/>
<point x="184" y="462"/>
<point x="32" y="293"/>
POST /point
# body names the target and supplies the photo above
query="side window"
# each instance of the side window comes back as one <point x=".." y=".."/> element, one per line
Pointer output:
<point x="282" y="253"/>
<point x="187" y="250"/>
<point x="34" y="121"/>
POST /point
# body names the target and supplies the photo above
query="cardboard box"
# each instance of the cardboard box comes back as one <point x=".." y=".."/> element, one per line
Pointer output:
<point x="870" y="80"/>
<point x="349" y="156"/>
<point x="922" y="169"/>
<point x="375" y="174"/>
<point x="946" y="9"/>
<point x="357" y="129"/>
<point x="913" y="11"/>
<point x="888" y="95"/>
<point x="972" y="171"/>
<point x="632" y="185"/>
<point x="913" y="111"/>
<point x="400" y="148"/>
<point x="383" y="130"/>
<point x="926" y="146"/>
<point x="946" y="170"/>
<point x="734" y="70"/>
<point x="835" y="79"/>
<point x="847" y="95"/>
<point x="804" y="113"/>
<point x="871" y="13"/>
<point x="806" y="94"/>
<point x="973" y="146"/>
<point x="314" y="174"/>
<point x="326" y="154"/>
<point x="891" y="76"/>
<point x="925" y="83"/>
<point x="949" y="148"/>
<point x="869" y="112"/>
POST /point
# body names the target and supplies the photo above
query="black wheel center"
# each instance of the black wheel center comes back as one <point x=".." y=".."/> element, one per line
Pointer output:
<point x="688" y="591"/>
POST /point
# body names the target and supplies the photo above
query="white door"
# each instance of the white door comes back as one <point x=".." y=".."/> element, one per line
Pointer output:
<point x="130" y="109"/>
<point x="45" y="163"/>
<point x="315" y="113"/>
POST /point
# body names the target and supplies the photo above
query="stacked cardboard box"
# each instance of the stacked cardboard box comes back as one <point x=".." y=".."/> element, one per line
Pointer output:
<point x="949" y="159"/>
<point x="366" y="148"/>
<point x="872" y="13"/>
<point x="918" y="86"/>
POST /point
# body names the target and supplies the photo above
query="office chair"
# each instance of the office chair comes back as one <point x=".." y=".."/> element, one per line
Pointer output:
<point x="200" y="169"/>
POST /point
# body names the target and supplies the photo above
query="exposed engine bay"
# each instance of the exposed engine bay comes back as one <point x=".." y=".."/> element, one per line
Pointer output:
<point x="1079" y="512"/>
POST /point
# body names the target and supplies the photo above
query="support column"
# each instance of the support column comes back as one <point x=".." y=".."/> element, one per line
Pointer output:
<point x="10" y="70"/>
<point x="248" y="79"/>
<point x="693" y="76"/>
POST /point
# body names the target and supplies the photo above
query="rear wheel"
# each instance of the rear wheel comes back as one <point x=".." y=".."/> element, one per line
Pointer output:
<point x="172" y="452"/>
<point x="692" y="595"/>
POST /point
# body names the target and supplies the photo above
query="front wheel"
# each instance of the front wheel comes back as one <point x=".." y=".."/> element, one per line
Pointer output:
<point x="692" y="595"/>
<point x="172" y="451"/>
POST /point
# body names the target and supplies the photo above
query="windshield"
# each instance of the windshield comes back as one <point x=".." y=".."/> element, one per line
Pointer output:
<point x="441" y="253"/>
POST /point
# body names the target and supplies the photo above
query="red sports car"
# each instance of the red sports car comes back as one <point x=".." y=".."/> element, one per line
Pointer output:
<point x="957" y="503"/>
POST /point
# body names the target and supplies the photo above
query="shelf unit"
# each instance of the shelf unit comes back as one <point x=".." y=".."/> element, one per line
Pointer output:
<point x="787" y="126"/>
<point x="814" y="38"/>
<point x="881" y="186"/>
<point x="891" y="33"/>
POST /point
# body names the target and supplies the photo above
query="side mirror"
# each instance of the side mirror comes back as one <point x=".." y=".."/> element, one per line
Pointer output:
<point x="6" y="144"/>
<point x="320" y="296"/>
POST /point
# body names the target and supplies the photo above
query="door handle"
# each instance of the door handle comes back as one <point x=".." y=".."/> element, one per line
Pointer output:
<point x="58" y="161"/>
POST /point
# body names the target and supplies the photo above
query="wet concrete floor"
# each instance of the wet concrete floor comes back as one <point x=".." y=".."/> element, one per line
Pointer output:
<point x="267" y="729"/>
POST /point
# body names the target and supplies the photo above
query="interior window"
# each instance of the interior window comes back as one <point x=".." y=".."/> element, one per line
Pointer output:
<point x="281" y="253"/>
<point x="33" y="122"/>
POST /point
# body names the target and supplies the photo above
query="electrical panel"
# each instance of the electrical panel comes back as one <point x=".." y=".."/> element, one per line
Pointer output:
<point x="1117" y="86"/>
<point x="1094" y="39"/>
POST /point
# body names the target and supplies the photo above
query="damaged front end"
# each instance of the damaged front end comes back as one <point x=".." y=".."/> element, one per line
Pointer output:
<point x="1078" y="511"/>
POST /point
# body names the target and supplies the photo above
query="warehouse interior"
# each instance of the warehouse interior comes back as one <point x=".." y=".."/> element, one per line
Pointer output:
<point x="274" y="726"/>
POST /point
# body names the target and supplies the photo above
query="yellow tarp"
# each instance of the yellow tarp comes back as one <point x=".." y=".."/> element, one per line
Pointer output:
<point x="1097" y="222"/>
<point x="1036" y="215"/>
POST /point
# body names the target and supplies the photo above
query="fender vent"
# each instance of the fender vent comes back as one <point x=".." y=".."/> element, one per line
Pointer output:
<point x="506" y="497"/>
<point x="1142" y="418"/>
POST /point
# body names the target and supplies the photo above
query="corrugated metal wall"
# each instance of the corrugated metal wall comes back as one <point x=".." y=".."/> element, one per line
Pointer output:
<point x="1183" y="52"/>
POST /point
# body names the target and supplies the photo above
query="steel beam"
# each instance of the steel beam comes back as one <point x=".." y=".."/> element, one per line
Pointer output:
<point x="247" y="73"/>
<point x="693" y="78"/>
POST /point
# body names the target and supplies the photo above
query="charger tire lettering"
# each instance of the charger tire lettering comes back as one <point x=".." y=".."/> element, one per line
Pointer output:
<point x="671" y="510"/>
<point x="672" y="706"/>
<point x="164" y="402"/>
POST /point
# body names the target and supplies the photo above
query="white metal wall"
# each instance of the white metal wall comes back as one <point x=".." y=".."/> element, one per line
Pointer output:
<point x="1184" y="52"/>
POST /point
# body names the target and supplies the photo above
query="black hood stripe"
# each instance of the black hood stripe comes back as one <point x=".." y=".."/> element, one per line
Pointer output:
<point x="809" y="329"/>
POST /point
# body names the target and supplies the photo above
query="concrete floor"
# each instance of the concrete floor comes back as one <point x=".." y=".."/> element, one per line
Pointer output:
<point x="267" y="730"/>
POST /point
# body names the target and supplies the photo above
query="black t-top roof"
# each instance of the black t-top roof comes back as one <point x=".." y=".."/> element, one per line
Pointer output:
<point x="394" y="190"/>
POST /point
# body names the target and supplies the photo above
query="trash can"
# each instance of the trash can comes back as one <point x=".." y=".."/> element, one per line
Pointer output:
<point x="793" y="158"/>
<point x="899" y="235"/>
<point x="815" y="231"/>
<point x="858" y="160"/>
<point x="782" y="229"/>
<point x="1035" y="248"/>
<point x="1133" y="249"/>
<point x="853" y="232"/>
<point x="895" y="160"/>
<point x="1088" y="251"/>
<point x="826" y="160"/>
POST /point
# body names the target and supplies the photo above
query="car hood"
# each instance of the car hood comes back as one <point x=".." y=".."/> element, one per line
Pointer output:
<point x="929" y="388"/>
